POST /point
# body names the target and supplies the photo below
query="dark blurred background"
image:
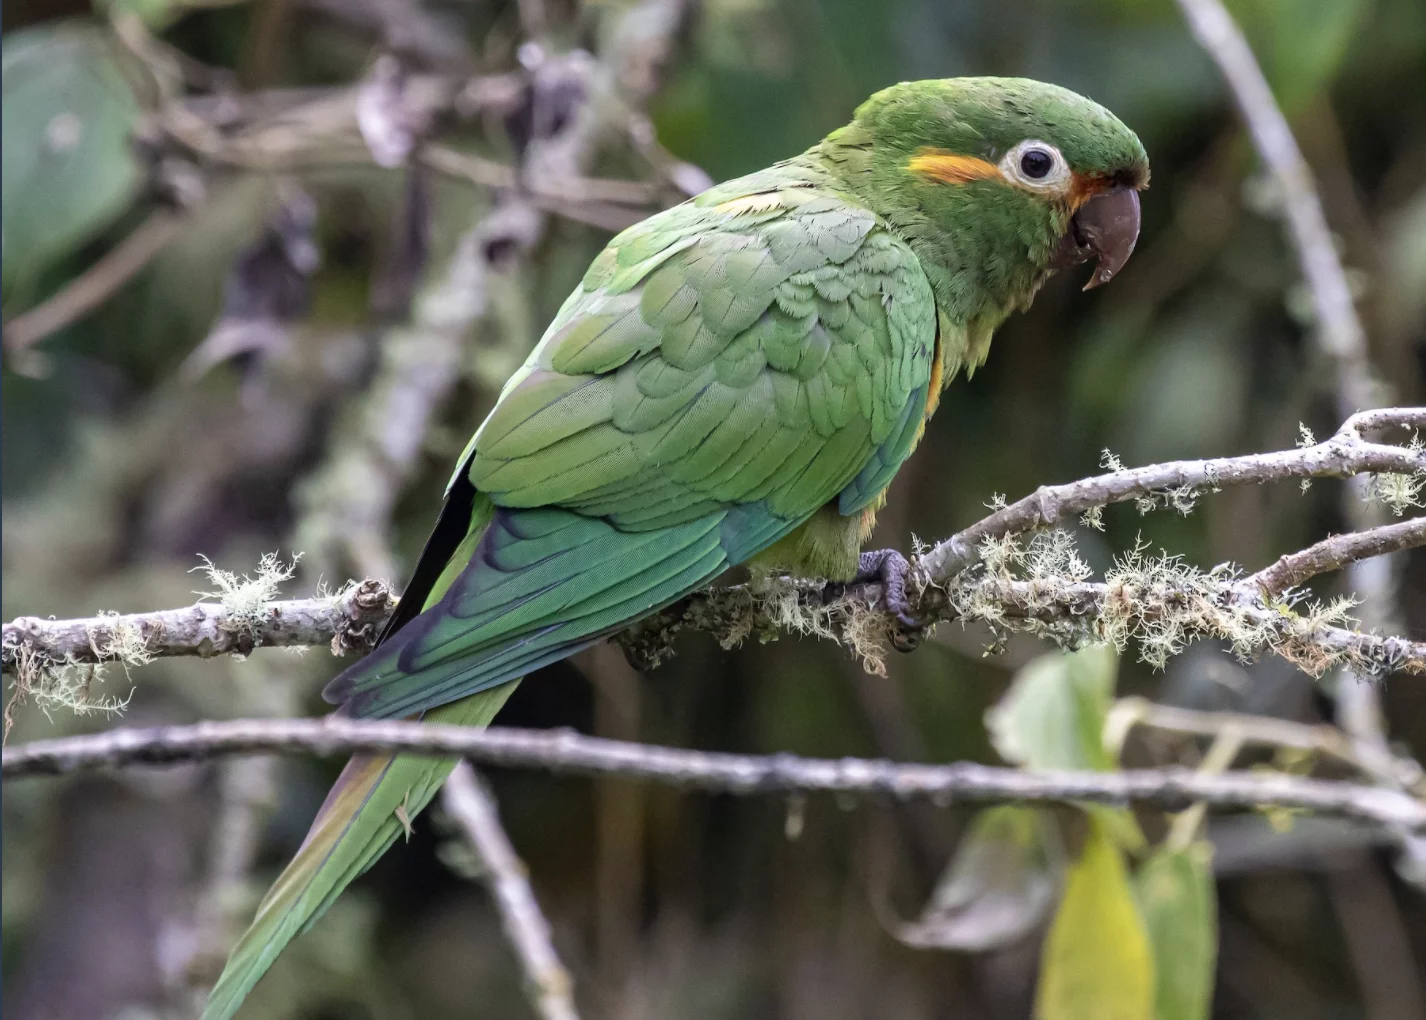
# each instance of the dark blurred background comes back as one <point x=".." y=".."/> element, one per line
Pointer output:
<point x="234" y="397"/>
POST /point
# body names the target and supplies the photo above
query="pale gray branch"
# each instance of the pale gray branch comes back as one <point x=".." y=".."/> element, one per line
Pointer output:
<point x="1345" y="454"/>
<point x="1162" y="612"/>
<point x="1337" y="552"/>
<point x="1340" y="332"/>
<point x="348" y="622"/>
<point x="567" y="752"/>
<point x="471" y="804"/>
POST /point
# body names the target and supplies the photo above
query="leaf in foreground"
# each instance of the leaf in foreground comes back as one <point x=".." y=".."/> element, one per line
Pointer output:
<point x="66" y="161"/>
<point x="1097" y="963"/>
<point x="1053" y="715"/>
<point x="999" y="887"/>
<point x="1180" y="907"/>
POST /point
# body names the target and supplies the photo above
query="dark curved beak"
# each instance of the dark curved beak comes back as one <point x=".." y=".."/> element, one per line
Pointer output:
<point x="1106" y="228"/>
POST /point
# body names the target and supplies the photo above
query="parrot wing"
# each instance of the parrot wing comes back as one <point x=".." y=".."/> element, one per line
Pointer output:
<point x="725" y="369"/>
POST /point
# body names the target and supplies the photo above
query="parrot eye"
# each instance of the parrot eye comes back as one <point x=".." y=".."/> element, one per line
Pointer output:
<point x="1036" y="166"/>
<point x="1037" y="163"/>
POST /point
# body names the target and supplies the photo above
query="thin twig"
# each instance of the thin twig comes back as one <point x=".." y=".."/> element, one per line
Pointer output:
<point x="490" y="174"/>
<point x="93" y="287"/>
<point x="1337" y="552"/>
<point x="1340" y="331"/>
<point x="467" y="800"/>
<point x="567" y="752"/>
<point x="1267" y="731"/>
<point x="1343" y="455"/>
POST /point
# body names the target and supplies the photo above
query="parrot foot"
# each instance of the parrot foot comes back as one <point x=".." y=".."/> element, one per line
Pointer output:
<point x="889" y="568"/>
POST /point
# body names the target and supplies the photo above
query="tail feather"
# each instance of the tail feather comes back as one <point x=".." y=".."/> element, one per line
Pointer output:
<point x="358" y="821"/>
<point x="500" y="593"/>
<point x="542" y="584"/>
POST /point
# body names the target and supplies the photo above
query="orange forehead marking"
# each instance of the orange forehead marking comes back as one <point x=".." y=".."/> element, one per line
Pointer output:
<point x="949" y="168"/>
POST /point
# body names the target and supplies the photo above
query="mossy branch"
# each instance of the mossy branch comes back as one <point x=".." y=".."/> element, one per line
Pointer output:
<point x="1337" y="552"/>
<point x="1344" y="455"/>
<point x="1040" y="588"/>
<point x="347" y="622"/>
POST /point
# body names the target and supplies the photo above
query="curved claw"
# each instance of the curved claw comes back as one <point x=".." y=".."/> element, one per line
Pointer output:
<point x="890" y="568"/>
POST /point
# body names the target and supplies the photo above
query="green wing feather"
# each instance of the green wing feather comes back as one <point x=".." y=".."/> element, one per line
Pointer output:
<point x="726" y="369"/>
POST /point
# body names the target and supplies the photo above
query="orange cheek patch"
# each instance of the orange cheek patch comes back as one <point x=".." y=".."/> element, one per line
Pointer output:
<point x="949" y="168"/>
<point x="1083" y="187"/>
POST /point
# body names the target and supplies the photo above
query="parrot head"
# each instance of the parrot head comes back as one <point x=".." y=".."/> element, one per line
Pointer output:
<point x="996" y="183"/>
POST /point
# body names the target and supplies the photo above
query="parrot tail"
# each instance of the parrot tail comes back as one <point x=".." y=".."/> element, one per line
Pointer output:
<point x="372" y="803"/>
<point x="377" y="796"/>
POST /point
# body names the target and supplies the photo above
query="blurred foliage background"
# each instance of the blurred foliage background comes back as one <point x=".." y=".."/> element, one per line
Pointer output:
<point x="211" y="405"/>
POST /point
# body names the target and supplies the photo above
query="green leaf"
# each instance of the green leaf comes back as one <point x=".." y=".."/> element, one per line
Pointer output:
<point x="1053" y="715"/>
<point x="1097" y="963"/>
<point x="1178" y="898"/>
<point x="1119" y="824"/>
<point x="67" y="166"/>
<point x="1000" y="885"/>
<point x="157" y="14"/>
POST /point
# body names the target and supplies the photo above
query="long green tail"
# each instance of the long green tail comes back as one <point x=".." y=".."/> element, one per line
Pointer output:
<point x="376" y="796"/>
<point x="500" y="592"/>
<point x="361" y="817"/>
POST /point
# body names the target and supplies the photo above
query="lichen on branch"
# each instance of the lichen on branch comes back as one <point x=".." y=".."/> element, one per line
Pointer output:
<point x="988" y="573"/>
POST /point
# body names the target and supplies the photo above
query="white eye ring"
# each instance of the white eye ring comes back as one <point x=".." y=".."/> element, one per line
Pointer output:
<point x="1056" y="178"/>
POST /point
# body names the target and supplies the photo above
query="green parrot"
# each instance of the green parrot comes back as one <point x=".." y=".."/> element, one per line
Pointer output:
<point x="736" y="380"/>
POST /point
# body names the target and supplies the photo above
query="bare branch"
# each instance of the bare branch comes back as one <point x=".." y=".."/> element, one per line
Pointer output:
<point x="93" y="287"/>
<point x="467" y="800"/>
<point x="490" y="174"/>
<point x="1337" y="552"/>
<point x="1323" y="739"/>
<point x="570" y="753"/>
<point x="1345" y="454"/>
<point x="1339" y="330"/>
